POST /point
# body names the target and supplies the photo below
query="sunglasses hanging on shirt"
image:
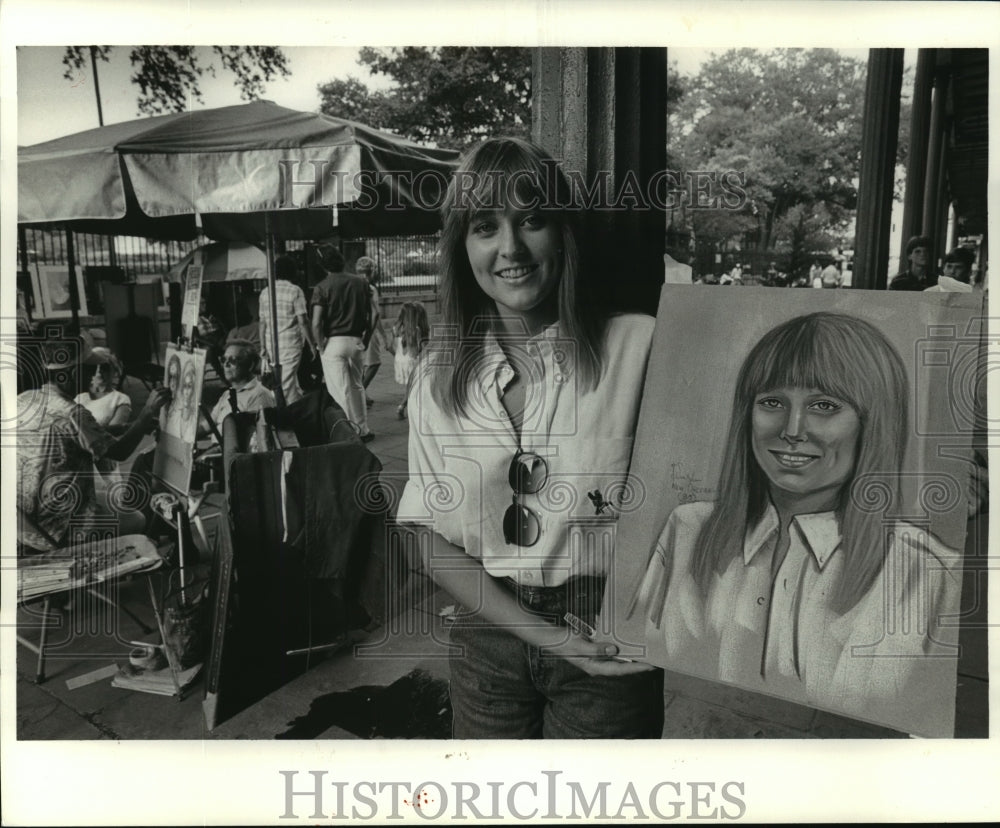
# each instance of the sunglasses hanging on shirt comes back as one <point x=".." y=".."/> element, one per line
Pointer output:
<point x="528" y="474"/>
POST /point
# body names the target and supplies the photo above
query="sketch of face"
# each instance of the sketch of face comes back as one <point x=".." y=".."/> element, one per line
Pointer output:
<point x="805" y="442"/>
<point x="515" y="257"/>
<point x="188" y="381"/>
<point x="174" y="375"/>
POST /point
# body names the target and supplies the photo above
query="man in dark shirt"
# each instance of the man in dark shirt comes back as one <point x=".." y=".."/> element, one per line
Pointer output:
<point x="916" y="276"/>
<point x="341" y="323"/>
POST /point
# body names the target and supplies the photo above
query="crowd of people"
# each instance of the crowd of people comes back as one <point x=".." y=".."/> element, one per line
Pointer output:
<point x="958" y="274"/>
<point x="534" y="383"/>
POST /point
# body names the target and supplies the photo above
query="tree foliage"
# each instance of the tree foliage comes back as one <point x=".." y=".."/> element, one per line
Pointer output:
<point x="450" y="96"/>
<point x="168" y="76"/>
<point x="788" y="119"/>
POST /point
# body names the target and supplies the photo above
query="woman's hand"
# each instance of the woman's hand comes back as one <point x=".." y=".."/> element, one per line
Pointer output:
<point x="596" y="658"/>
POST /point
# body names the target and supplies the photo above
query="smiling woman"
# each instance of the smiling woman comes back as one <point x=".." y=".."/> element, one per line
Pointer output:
<point x="523" y="404"/>
<point x="795" y="580"/>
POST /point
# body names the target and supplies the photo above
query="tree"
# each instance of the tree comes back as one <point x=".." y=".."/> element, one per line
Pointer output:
<point x="168" y="76"/>
<point x="800" y="232"/>
<point x="787" y="119"/>
<point x="450" y="96"/>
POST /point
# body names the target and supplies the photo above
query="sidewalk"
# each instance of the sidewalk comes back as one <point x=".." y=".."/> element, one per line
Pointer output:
<point x="100" y="711"/>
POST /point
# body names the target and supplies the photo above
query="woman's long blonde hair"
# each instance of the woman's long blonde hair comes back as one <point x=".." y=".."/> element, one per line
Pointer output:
<point x="493" y="172"/>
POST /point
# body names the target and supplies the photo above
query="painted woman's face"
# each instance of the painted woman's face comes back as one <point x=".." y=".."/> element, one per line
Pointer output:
<point x="187" y="390"/>
<point x="806" y="442"/>
<point x="515" y="257"/>
<point x="174" y="375"/>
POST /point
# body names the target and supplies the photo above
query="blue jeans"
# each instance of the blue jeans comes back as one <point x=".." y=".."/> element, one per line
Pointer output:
<point x="504" y="688"/>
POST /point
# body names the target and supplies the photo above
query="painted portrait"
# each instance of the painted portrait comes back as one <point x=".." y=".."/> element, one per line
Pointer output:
<point x="53" y="292"/>
<point x="808" y="484"/>
<point x="183" y="374"/>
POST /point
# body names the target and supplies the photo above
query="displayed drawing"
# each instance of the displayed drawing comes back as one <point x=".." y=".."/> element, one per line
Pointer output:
<point x="192" y="298"/>
<point x="183" y="375"/>
<point x="53" y="291"/>
<point x="808" y="470"/>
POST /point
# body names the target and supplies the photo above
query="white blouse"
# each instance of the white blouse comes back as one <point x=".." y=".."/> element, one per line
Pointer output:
<point x="890" y="658"/>
<point x="104" y="408"/>
<point x="458" y="465"/>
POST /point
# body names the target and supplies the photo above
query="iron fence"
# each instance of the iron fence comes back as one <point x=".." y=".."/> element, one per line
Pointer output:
<point x="405" y="264"/>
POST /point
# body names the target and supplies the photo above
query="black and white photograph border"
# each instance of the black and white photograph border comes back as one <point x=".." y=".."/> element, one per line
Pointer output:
<point x="241" y="781"/>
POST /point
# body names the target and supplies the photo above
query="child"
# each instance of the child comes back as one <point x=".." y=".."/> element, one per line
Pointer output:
<point x="409" y="336"/>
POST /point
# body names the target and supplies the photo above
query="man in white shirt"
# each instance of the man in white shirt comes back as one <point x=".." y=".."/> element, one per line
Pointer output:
<point x="239" y="366"/>
<point x="831" y="276"/>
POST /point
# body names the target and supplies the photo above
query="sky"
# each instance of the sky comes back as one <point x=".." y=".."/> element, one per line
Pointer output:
<point x="50" y="106"/>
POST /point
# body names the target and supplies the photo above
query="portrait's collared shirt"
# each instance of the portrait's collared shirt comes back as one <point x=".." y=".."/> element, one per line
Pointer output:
<point x="458" y="465"/>
<point x="782" y="634"/>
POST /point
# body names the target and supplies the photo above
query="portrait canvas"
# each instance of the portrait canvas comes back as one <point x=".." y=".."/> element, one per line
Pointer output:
<point x="183" y="374"/>
<point x="803" y="476"/>
<point x="53" y="291"/>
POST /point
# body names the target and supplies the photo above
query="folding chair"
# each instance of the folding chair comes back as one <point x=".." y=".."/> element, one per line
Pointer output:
<point x="114" y="559"/>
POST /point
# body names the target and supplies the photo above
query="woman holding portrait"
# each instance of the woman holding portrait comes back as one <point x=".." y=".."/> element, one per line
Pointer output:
<point x="524" y="401"/>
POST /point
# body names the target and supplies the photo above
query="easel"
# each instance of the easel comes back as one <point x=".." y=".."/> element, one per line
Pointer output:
<point x="175" y="504"/>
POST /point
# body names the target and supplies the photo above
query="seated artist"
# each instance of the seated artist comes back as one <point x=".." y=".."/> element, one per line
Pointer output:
<point x="58" y="444"/>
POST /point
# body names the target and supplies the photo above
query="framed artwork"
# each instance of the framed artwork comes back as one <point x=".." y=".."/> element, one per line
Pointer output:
<point x="53" y="291"/>
<point x="807" y="472"/>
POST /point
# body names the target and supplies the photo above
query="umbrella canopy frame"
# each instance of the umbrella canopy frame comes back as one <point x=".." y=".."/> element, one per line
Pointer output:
<point x="233" y="172"/>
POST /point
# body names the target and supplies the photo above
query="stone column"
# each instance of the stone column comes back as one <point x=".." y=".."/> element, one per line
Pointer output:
<point x="916" y="162"/>
<point x="603" y="113"/>
<point x="879" y="133"/>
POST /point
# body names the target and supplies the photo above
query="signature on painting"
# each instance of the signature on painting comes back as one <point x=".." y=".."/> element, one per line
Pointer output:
<point x="686" y="485"/>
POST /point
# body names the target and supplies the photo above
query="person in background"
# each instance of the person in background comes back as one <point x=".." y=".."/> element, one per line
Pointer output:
<point x="410" y="334"/>
<point x="831" y="276"/>
<point x="916" y="276"/>
<point x="341" y="321"/>
<point x="816" y="274"/>
<point x="210" y="334"/>
<point x="957" y="276"/>
<point x="58" y="444"/>
<point x="377" y="339"/>
<point x="240" y="365"/>
<point x="246" y="311"/>
<point x="293" y="328"/>
<point x="111" y="407"/>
